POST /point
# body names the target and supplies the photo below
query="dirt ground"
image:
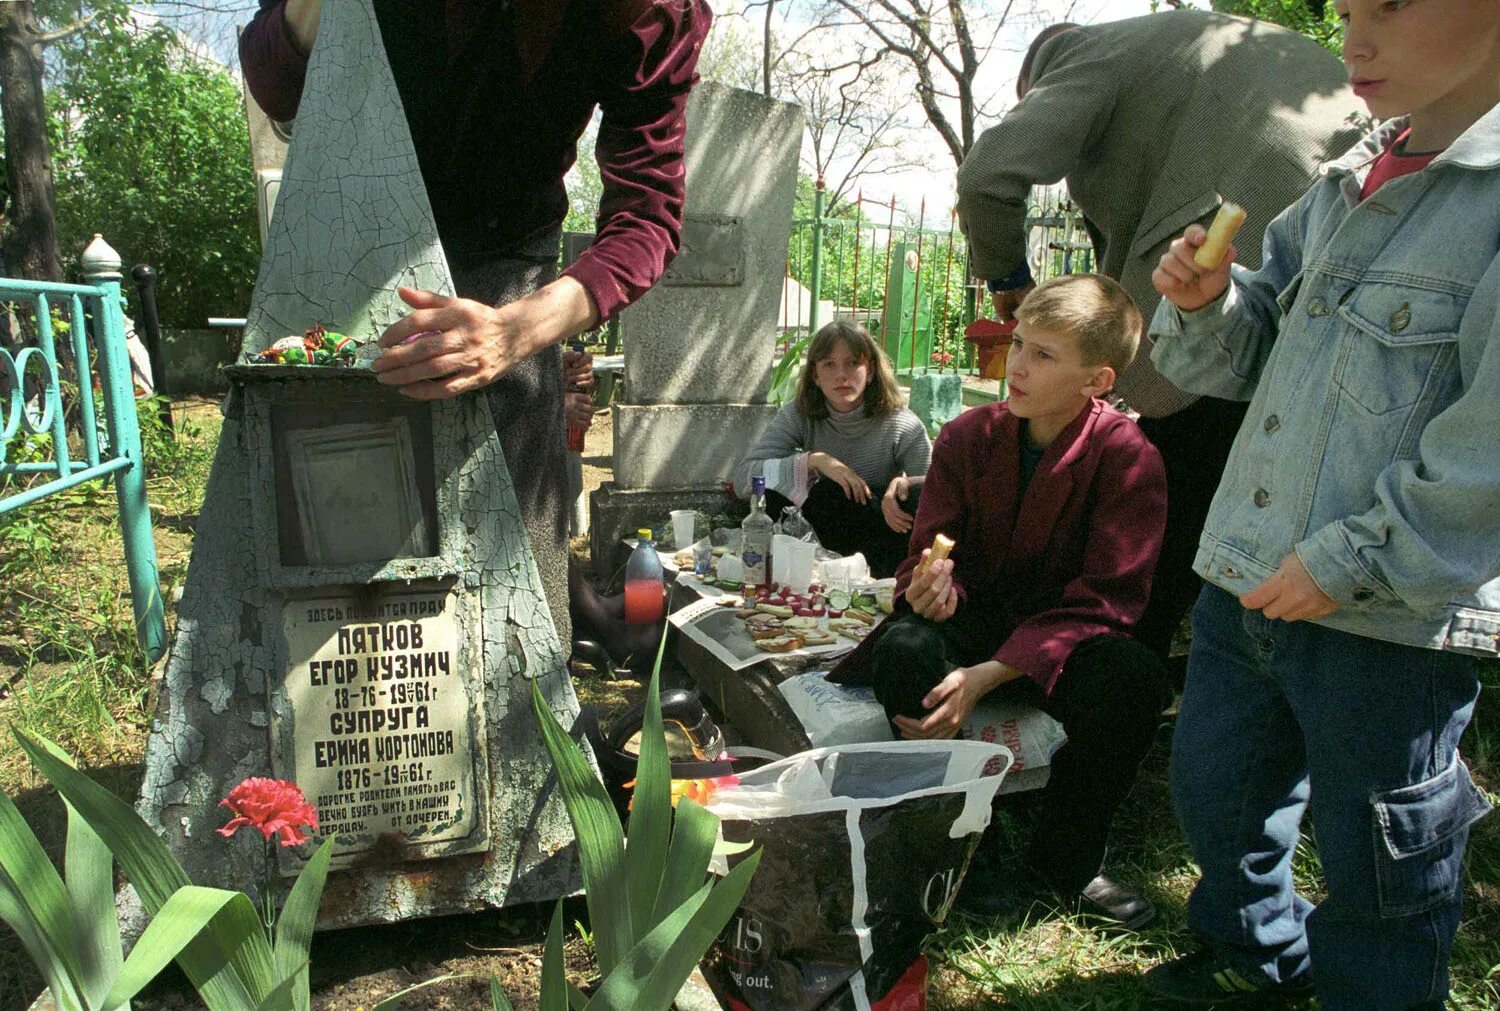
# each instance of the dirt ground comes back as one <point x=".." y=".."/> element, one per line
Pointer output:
<point x="354" y="969"/>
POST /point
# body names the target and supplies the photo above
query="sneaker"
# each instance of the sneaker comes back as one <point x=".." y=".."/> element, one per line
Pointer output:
<point x="1104" y="898"/>
<point x="1200" y="979"/>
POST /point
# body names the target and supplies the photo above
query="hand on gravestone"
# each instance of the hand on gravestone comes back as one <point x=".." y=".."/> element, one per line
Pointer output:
<point x="462" y="345"/>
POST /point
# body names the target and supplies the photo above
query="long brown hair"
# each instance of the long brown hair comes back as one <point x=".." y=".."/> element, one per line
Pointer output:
<point x="882" y="394"/>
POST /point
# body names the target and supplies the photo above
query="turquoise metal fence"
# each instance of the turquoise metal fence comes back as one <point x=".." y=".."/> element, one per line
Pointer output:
<point x="31" y="398"/>
<point x="910" y="285"/>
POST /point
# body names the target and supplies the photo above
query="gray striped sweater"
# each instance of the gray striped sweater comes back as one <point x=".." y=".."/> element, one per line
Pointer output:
<point x="877" y="449"/>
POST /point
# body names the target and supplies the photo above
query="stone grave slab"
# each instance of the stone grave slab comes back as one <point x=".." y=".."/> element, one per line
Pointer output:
<point x="362" y="612"/>
<point x="720" y="295"/>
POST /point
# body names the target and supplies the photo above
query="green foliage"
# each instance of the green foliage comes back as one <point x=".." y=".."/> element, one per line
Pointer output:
<point x="1315" y="20"/>
<point x="786" y="372"/>
<point x="652" y="912"/>
<point x="584" y="185"/>
<point x="214" y="935"/>
<point x="151" y="150"/>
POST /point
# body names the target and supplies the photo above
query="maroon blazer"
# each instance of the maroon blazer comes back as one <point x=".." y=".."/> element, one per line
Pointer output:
<point x="496" y="106"/>
<point x="1071" y="560"/>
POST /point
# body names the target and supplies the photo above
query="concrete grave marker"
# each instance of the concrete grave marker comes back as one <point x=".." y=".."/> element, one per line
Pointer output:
<point x="698" y="346"/>
<point x="362" y="613"/>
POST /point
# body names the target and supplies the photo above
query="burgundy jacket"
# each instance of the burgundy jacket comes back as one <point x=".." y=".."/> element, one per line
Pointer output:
<point x="497" y="97"/>
<point x="1071" y="560"/>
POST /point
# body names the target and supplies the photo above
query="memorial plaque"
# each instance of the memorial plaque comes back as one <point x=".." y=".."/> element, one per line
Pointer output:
<point x="382" y="724"/>
<point x="712" y="253"/>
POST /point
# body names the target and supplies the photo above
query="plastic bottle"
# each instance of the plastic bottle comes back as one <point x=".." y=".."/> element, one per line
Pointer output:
<point x="755" y="553"/>
<point x="645" y="589"/>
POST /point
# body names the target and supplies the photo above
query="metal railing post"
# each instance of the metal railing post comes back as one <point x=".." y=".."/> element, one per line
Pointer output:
<point x="816" y="291"/>
<point x="101" y="267"/>
<point x="144" y="277"/>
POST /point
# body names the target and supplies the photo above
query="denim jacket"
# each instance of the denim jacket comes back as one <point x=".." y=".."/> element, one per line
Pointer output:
<point x="1369" y="348"/>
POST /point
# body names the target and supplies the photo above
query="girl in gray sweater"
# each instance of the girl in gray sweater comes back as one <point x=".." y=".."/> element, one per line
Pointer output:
<point x="844" y="450"/>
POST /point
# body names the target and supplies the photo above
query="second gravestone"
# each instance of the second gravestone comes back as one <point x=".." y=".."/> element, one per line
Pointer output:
<point x="362" y="614"/>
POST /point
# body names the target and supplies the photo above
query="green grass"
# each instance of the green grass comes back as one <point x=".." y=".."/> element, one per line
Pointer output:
<point x="70" y="667"/>
<point x="1045" y="960"/>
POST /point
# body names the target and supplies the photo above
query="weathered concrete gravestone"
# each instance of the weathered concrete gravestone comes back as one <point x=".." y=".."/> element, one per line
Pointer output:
<point x="699" y="346"/>
<point x="362" y="612"/>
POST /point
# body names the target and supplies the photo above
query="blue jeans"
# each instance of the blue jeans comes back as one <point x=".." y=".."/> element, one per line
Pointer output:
<point x="1277" y="712"/>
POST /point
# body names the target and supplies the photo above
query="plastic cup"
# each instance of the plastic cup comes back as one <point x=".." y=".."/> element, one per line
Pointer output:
<point x="781" y="557"/>
<point x="800" y="565"/>
<point x="682" y="528"/>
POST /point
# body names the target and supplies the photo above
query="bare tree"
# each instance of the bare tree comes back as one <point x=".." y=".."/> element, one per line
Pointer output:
<point x="941" y="43"/>
<point x="856" y="122"/>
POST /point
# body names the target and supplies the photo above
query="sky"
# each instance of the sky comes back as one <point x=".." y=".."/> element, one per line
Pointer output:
<point x="934" y="180"/>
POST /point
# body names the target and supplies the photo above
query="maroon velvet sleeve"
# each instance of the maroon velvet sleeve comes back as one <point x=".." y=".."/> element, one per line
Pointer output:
<point x="274" y="68"/>
<point x="1109" y="594"/>
<point x="943" y="507"/>
<point x="640" y="154"/>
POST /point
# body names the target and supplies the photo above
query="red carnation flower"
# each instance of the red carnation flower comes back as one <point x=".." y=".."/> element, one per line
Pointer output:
<point x="274" y="806"/>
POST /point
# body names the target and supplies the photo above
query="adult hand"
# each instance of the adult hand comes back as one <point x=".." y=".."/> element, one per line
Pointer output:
<point x="839" y="472"/>
<point x="578" y="409"/>
<point x="578" y="371"/>
<point x="952" y="700"/>
<point x="931" y="593"/>
<point x="1290" y="594"/>
<point x="1181" y="281"/>
<point x="464" y="345"/>
<point x="897" y="518"/>
<point x="1007" y="302"/>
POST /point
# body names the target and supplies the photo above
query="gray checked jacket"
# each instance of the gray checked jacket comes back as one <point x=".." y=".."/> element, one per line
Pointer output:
<point x="1151" y="120"/>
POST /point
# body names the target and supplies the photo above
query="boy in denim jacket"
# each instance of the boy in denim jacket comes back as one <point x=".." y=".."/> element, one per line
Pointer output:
<point x="1353" y="547"/>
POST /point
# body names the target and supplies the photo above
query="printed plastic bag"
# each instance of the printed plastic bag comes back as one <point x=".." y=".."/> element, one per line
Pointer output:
<point x="833" y="714"/>
<point x="862" y="851"/>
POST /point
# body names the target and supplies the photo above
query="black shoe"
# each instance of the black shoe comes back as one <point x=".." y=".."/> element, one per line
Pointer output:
<point x="1200" y="980"/>
<point x="1105" y="898"/>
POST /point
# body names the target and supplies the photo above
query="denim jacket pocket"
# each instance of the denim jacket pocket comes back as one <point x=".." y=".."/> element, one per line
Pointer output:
<point x="1404" y="339"/>
<point x="1419" y="836"/>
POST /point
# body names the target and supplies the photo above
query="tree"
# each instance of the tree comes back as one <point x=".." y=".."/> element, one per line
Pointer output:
<point x="30" y="245"/>
<point x="941" y="43"/>
<point x="855" y="122"/>
<point x="1314" y="18"/>
<point x="153" y="151"/>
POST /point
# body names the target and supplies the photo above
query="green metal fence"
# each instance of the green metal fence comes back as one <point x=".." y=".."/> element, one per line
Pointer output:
<point x="32" y="405"/>
<point x="910" y="285"/>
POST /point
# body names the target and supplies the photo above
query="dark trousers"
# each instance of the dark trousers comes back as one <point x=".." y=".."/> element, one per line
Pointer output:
<point x="1194" y="444"/>
<point x="1109" y="698"/>
<point x="845" y="526"/>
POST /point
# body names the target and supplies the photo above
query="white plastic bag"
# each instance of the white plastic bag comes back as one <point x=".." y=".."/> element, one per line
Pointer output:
<point x="863" y="849"/>
<point x="834" y="714"/>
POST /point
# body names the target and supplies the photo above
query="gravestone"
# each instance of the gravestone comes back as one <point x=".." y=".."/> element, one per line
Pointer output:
<point x="699" y="346"/>
<point x="362" y="612"/>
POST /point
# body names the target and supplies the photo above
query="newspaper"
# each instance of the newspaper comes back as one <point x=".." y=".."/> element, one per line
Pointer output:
<point x="718" y="629"/>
